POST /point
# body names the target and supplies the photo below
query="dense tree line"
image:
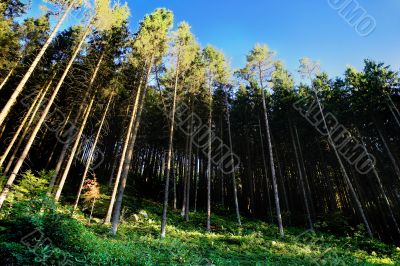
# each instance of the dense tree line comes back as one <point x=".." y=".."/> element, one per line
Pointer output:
<point x="153" y="114"/>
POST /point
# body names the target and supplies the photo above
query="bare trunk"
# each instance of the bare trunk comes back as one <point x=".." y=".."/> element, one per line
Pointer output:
<point x="7" y="77"/>
<point x="235" y="197"/>
<point x="70" y="133"/>
<point x="305" y="172"/>
<point x="303" y="188"/>
<point x="174" y="184"/>
<point x="209" y="173"/>
<point x="74" y="150"/>
<point x="265" y="170"/>
<point x="381" y="188"/>
<point x="91" y="152"/>
<point x="32" y="114"/>
<point x="169" y="155"/>
<point x="388" y="151"/>
<point x="128" y="158"/>
<point x="79" y="135"/>
<point x="107" y="220"/>
<point x="271" y="157"/>
<point x="189" y="166"/>
<point x="28" y="146"/>
<point x="91" y="210"/>
<point x="13" y="99"/>
<point x="343" y="170"/>
<point x="114" y="166"/>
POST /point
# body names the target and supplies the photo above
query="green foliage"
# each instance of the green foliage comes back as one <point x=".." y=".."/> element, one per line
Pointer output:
<point x="151" y="39"/>
<point x="29" y="195"/>
<point x="138" y="243"/>
<point x="108" y="16"/>
<point x="216" y="64"/>
<point x="185" y="47"/>
<point x="32" y="186"/>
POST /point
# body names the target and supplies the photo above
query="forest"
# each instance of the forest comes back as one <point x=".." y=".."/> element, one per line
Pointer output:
<point x="122" y="147"/>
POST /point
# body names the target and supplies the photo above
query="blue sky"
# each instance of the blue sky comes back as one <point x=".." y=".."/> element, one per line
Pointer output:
<point x="292" y="28"/>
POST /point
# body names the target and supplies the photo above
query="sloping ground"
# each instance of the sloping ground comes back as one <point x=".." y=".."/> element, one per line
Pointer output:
<point x="74" y="242"/>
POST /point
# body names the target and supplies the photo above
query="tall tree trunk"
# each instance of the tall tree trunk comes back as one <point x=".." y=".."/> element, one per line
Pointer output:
<point x="128" y="159"/>
<point x="304" y="171"/>
<point x="174" y="183"/>
<point x="197" y="174"/>
<point x="74" y="149"/>
<point x="381" y="188"/>
<point x="235" y="196"/>
<point x="28" y="146"/>
<point x="303" y="188"/>
<point x="128" y="136"/>
<point x="388" y="151"/>
<point x="393" y="109"/>
<point x="13" y="99"/>
<point x="79" y="135"/>
<point x="91" y="152"/>
<point x="7" y="77"/>
<point x="32" y="114"/>
<point x="169" y="154"/>
<point x="271" y="158"/>
<point x="70" y="134"/>
<point x="91" y="210"/>
<point x="343" y="170"/>
<point x="190" y="164"/>
<point x="209" y="173"/>
<point x="114" y="166"/>
<point x="265" y="170"/>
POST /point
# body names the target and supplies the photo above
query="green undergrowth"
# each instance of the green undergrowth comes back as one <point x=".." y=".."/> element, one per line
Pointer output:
<point x="59" y="239"/>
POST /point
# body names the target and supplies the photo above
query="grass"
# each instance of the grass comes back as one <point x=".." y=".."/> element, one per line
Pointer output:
<point x="187" y="243"/>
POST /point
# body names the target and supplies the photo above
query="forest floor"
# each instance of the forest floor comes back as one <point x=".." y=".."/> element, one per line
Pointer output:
<point x="76" y="242"/>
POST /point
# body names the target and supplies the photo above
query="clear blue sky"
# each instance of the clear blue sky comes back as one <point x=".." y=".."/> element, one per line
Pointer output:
<point x="292" y="28"/>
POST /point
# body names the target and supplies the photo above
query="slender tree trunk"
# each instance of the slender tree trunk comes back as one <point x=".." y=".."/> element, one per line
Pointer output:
<point x="74" y="149"/>
<point x="305" y="172"/>
<point x="189" y="166"/>
<point x="7" y="77"/>
<point x="174" y="184"/>
<point x="32" y="114"/>
<point x="388" y="151"/>
<point x="209" y="173"/>
<point x="271" y="157"/>
<point x="184" y="175"/>
<point x="91" y="152"/>
<point x="196" y="182"/>
<point x="235" y="196"/>
<point x="343" y="170"/>
<point x="394" y="110"/>
<point x="114" y="166"/>
<point x="42" y="119"/>
<point x="126" y="168"/>
<point x="129" y="155"/>
<point x="381" y="188"/>
<point x="107" y="220"/>
<point x="70" y="134"/>
<point x="79" y="135"/>
<point x="265" y="170"/>
<point x="303" y="189"/>
<point x="13" y="99"/>
<point x="91" y="210"/>
<point x="169" y="155"/>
